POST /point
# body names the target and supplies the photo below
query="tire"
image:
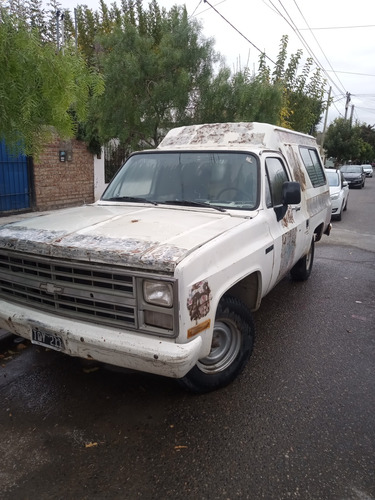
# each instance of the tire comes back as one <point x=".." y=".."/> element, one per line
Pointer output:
<point x="302" y="269"/>
<point x="232" y="345"/>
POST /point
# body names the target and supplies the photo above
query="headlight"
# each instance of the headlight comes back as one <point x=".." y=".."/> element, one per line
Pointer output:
<point x="335" y="196"/>
<point x="158" y="292"/>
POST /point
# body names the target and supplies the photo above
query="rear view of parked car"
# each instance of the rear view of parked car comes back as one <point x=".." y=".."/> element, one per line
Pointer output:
<point x="339" y="192"/>
<point x="354" y="175"/>
<point x="368" y="170"/>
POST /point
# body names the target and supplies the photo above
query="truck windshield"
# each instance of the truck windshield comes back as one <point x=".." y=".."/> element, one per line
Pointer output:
<point x="220" y="179"/>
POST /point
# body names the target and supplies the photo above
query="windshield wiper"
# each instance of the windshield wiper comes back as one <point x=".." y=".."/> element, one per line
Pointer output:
<point x="132" y="198"/>
<point x="189" y="203"/>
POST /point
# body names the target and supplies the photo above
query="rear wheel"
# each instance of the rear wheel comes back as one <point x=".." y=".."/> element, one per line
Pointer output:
<point x="302" y="269"/>
<point x="232" y="345"/>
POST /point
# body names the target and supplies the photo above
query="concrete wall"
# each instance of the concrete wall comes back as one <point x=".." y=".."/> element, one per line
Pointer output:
<point x="99" y="182"/>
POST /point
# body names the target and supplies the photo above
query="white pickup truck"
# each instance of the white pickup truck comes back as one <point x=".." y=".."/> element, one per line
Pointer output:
<point x="163" y="272"/>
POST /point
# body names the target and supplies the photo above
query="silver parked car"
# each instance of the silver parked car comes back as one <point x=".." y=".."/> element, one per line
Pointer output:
<point x="339" y="192"/>
<point x="368" y="170"/>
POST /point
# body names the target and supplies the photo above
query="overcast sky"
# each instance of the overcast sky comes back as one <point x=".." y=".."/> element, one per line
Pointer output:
<point x="339" y="36"/>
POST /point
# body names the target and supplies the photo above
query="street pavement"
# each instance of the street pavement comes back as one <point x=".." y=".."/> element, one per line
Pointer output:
<point x="298" y="423"/>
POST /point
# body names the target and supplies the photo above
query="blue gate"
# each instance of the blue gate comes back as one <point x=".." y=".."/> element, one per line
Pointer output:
<point x="14" y="181"/>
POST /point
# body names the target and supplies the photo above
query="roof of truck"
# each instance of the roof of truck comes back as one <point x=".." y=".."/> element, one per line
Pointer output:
<point x="239" y="135"/>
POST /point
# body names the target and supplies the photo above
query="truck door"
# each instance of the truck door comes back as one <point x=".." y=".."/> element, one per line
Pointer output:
<point x="290" y="233"/>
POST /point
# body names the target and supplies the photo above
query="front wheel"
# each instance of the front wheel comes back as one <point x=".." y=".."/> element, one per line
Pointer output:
<point x="232" y="345"/>
<point x="302" y="269"/>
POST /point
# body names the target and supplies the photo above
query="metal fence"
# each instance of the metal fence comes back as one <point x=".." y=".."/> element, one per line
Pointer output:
<point x="15" y="190"/>
<point x="114" y="156"/>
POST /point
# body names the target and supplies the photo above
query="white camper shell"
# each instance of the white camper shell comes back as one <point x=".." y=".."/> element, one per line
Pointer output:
<point x="162" y="274"/>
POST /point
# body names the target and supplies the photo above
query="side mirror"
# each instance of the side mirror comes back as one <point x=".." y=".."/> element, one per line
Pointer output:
<point x="345" y="183"/>
<point x="291" y="195"/>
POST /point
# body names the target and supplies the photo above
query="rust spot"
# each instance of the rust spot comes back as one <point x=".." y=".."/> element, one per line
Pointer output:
<point x="287" y="251"/>
<point x="198" y="302"/>
<point x="134" y="220"/>
<point x="288" y="218"/>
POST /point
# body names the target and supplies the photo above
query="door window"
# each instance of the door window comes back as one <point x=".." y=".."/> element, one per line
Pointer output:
<point x="275" y="178"/>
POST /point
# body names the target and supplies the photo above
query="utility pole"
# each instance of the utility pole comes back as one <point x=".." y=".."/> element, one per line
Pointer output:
<point x="325" y="119"/>
<point x="347" y="104"/>
<point x="351" y="115"/>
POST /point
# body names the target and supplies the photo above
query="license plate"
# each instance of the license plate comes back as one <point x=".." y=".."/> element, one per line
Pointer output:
<point x="47" y="339"/>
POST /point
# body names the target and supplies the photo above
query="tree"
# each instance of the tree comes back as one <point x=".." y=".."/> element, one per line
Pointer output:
<point x="239" y="97"/>
<point x="282" y="97"/>
<point x="39" y="87"/>
<point x="367" y="134"/>
<point x="342" y="141"/>
<point x="303" y="99"/>
<point x="155" y="65"/>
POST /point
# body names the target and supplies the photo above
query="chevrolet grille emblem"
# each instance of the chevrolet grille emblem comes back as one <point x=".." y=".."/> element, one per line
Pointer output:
<point x="50" y="288"/>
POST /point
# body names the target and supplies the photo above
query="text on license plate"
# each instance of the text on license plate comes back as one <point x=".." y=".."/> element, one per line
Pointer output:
<point x="47" y="339"/>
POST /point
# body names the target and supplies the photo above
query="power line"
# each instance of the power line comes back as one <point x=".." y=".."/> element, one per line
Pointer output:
<point x="316" y="40"/>
<point x="338" y="27"/>
<point x="196" y="8"/>
<point x="305" y="44"/>
<point x="350" y="73"/>
<point x="309" y="50"/>
<point x="291" y="23"/>
<point x="239" y="32"/>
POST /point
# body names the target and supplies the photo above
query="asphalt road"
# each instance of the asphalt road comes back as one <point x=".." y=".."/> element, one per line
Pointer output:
<point x="299" y="423"/>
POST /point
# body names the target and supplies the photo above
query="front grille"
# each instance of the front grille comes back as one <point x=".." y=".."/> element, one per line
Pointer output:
<point x="83" y="291"/>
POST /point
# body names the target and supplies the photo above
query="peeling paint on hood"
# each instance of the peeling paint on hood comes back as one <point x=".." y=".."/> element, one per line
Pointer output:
<point x="139" y="237"/>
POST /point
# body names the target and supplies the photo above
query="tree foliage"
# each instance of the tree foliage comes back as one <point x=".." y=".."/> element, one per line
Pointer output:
<point x="350" y="143"/>
<point x="39" y="87"/>
<point x="303" y="92"/>
<point x="282" y="97"/>
<point x="159" y="72"/>
<point x="155" y="66"/>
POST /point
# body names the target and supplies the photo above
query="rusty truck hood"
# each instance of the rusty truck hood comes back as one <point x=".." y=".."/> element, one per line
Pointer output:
<point x="129" y="235"/>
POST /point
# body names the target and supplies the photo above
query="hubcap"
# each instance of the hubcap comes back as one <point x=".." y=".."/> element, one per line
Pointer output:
<point x="226" y="342"/>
